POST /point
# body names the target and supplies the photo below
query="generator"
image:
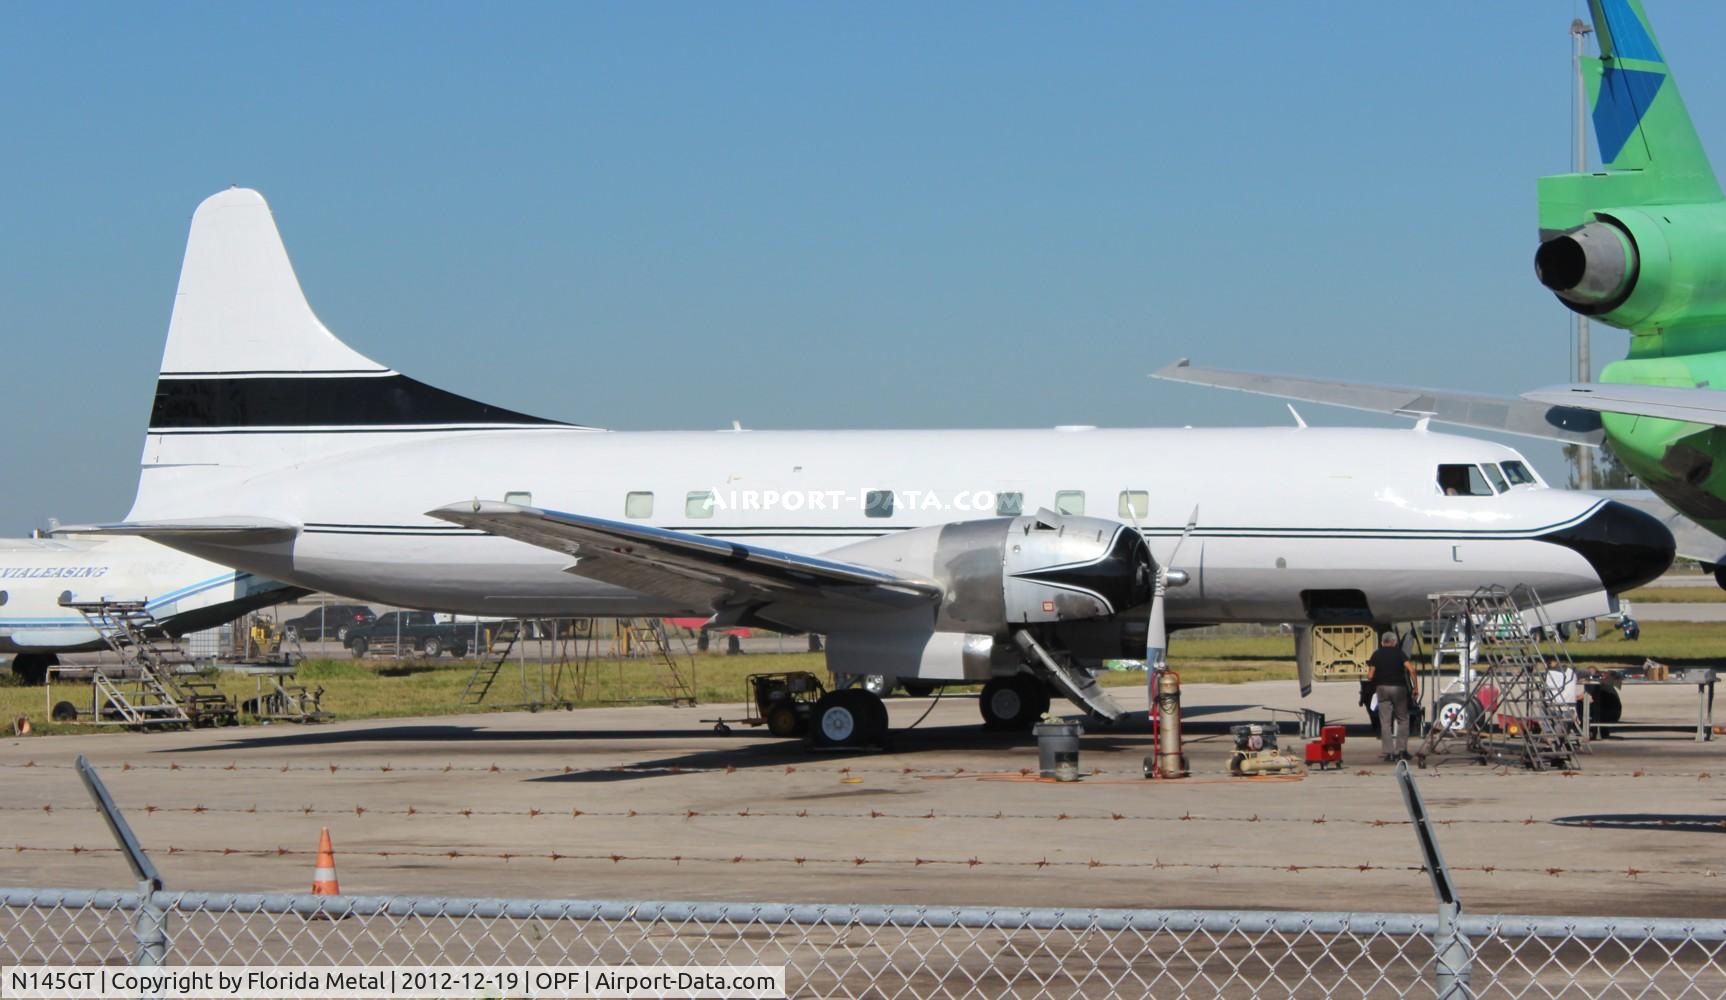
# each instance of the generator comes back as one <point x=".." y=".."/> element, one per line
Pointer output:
<point x="1256" y="750"/>
<point x="1326" y="751"/>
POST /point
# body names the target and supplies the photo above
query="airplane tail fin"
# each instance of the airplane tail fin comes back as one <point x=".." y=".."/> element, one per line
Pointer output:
<point x="252" y="380"/>
<point x="1640" y="121"/>
<point x="1648" y="145"/>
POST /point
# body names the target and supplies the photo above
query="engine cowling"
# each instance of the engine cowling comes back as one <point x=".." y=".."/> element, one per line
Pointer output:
<point x="1000" y="572"/>
<point x="1641" y="268"/>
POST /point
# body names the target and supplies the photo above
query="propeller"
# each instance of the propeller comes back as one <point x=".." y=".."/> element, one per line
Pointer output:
<point x="1157" y="634"/>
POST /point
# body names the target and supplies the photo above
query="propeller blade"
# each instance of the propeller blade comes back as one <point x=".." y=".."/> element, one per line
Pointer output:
<point x="1157" y="632"/>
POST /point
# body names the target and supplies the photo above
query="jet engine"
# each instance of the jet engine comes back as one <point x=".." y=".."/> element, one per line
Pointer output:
<point x="1640" y="268"/>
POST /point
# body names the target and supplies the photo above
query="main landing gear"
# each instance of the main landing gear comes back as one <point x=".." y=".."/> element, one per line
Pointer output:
<point x="848" y="720"/>
<point x="1013" y="704"/>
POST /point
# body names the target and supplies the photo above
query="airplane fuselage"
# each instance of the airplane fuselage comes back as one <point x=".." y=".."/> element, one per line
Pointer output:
<point x="1294" y="524"/>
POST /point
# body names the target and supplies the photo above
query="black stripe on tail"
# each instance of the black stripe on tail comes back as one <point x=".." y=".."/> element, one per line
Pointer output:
<point x="343" y="402"/>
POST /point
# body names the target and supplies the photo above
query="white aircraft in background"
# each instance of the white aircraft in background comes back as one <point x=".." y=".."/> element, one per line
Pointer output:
<point x="926" y="556"/>
<point x="183" y="592"/>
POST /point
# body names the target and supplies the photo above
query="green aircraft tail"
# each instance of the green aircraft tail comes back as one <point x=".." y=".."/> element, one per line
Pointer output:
<point x="1640" y="122"/>
<point x="1640" y="245"/>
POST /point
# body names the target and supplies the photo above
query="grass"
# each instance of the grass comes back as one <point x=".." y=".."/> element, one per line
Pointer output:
<point x="1676" y="595"/>
<point x="381" y="689"/>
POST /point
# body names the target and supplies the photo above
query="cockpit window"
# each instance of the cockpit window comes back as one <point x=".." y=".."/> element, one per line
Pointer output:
<point x="1517" y="473"/>
<point x="1462" y="481"/>
<point x="1495" y="477"/>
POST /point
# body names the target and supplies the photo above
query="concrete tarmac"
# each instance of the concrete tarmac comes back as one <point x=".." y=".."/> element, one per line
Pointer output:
<point x="650" y="803"/>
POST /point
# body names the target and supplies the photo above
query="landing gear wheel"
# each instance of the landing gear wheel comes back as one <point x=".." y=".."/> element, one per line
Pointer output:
<point x="1455" y="713"/>
<point x="848" y="719"/>
<point x="1013" y="703"/>
<point x="783" y="721"/>
<point x="916" y="690"/>
<point x="32" y="668"/>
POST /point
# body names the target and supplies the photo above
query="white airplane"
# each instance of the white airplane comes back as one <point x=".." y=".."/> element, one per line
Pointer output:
<point x="183" y="592"/>
<point x="926" y="556"/>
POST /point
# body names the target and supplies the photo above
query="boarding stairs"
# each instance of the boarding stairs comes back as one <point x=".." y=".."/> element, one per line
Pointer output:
<point x="1515" y="713"/>
<point x="157" y="683"/>
<point x="500" y="642"/>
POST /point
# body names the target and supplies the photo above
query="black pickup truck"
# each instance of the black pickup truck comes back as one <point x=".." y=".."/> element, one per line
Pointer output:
<point x="400" y="632"/>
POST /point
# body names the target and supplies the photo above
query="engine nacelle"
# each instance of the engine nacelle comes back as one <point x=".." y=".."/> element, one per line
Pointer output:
<point x="1004" y="571"/>
<point x="1641" y="268"/>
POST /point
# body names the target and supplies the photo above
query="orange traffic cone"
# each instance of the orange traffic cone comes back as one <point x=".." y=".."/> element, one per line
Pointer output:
<point x="324" y="879"/>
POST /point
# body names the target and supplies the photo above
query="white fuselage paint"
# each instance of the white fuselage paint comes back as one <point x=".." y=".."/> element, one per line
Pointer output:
<point x="1280" y="510"/>
<point x="35" y="573"/>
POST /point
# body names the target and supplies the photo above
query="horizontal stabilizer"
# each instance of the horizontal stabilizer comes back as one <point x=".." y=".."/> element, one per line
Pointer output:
<point x="705" y="573"/>
<point x="236" y="529"/>
<point x="1510" y="414"/>
<point x="1668" y="402"/>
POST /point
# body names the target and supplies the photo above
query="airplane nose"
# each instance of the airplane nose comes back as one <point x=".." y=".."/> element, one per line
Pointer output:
<point x="1626" y="547"/>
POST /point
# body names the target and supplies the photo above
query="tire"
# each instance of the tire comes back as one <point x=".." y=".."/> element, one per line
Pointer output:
<point x="879" y="685"/>
<point x="291" y="633"/>
<point x="1013" y="704"/>
<point x="1455" y="713"/>
<point x="358" y="647"/>
<point x="847" y="719"/>
<point x="783" y="721"/>
<point x="32" y="668"/>
<point x="916" y="690"/>
<point x="432" y="647"/>
<point x="64" y="711"/>
<point x="1607" y="707"/>
<point x="459" y="649"/>
<point x="341" y="633"/>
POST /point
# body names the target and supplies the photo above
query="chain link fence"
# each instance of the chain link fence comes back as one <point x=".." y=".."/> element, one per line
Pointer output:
<point x="888" y="951"/>
<point x="892" y="951"/>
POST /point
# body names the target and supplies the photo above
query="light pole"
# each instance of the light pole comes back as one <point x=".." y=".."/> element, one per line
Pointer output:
<point x="1584" y="363"/>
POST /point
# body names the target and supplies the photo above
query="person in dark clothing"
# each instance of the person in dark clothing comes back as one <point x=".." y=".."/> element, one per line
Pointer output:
<point x="1367" y="690"/>
<point x="1398" y="687"/>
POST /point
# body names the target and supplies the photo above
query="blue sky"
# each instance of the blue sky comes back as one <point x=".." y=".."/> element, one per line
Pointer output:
<point x="798" y="215"/>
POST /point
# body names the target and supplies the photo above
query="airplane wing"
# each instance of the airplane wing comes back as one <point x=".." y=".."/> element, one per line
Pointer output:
<point x="1572" y="423"/>
<point x="1697" y="406"/>
<point x="701" y="571"/>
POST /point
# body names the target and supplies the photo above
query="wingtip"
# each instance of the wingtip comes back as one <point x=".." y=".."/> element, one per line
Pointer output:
<point x="1168" y="370"/>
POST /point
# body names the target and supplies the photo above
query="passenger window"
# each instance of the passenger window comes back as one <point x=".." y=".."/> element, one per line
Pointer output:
<point x="1497" y="480"/>
<point x="1009" y="504"/>
<point x="878" y="503"/>
<point x="1462" y="481"/>
<point x="521" y="498"/>
<point x="699" y="503"/>
<point x="1517" y="473"/>
<point x="1134" y="503"/>
<point x="638" y="505"/>
<point x="1070" y="502"/>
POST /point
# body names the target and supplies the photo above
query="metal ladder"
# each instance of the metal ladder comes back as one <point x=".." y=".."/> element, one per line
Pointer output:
<point x="1527" y="723"/>
<point x="165" y="687"/>
<point x="648" y="634"/>
<point x="500" y="642"/>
